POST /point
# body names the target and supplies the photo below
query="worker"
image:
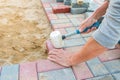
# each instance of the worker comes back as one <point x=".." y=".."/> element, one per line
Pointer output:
<point x="105" y="37"/>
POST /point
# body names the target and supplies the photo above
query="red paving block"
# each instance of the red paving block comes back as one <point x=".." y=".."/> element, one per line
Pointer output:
<point x="52" y="16"/>
<point x="0" y="70"/>
<point x="61" y="9"/>
<point x="28" y="71"/>
<point x="81" y="71"/>
<point x="110" y="55"/>
<point x="49" y="45"/>
<point x="46" y="5"/>
<point x="63" y="25"/>
<point x="46" y="65"/>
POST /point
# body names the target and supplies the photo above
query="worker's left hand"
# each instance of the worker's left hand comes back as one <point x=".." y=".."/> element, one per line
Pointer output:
<point x="61" y="57"/>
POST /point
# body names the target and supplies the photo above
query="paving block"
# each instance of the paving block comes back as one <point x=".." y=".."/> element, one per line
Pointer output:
<point x="113" y="66"/>
<point x="69" y="15"/>
<point x="116" y="76"/>
<point x="87" y="34"/>
<point x="81" y="71"/>
<point x="86" y="38"/>
<point x="67" y="2"/>
<point x="0" y="70"/>
<point x="110" y="55"/>
<point x="81" y="20"/>
<point x="105" y="77"/>
<point x="88" y="14"/>
<point x="46" y="65"/>
<point x="46" y="5"/>
<point x="10" y="72"/>
<point x="59" y="0"/>
<point x="73" y="49"/>
<point x="93" y="5"/>
<point x="60" y="21"/>
<point x="74" y="42"/>
<point x="62" y="74"/>
<point x="61" y="9"/>
<point x="62" y="25"/>
<point x="55" y="4"/>
<point x="28" y="71"/>
<point x="49" y="45"/>
<point x="97" y="67"/>
<point x="48" y="1"/>
<point x="75" y="21"/>
<point x="52" y="17"/>
<point x="74" y="36"/>
<point x="48" y="10"/>
<point x="79" y="9"/>
<point x="61" y="16"/>
<point x="62" y="31"/>
<point x="72" y="29"/>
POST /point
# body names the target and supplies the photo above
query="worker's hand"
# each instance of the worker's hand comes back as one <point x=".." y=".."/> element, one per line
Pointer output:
<point x="86" y="23"/>
<point x="61" y="57"/>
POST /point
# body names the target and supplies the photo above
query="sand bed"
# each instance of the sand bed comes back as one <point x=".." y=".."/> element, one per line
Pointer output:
<point x="24" y="29"/>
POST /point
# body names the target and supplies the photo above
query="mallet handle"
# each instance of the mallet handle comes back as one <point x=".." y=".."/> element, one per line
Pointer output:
<point x="96" y="24"/>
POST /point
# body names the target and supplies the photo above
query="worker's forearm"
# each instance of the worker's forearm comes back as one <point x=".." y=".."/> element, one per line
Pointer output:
<point x="90" y="50"/>
<point x="100" y="11"/>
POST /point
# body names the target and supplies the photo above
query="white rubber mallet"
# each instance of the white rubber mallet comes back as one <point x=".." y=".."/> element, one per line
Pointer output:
<point x="57" y="38"/>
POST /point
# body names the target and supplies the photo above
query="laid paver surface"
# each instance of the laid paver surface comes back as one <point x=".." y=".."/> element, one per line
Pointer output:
<point x="104" y="67"/>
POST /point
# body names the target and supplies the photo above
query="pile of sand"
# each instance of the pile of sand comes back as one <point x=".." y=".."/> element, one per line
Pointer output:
<point x="24" y="29"/>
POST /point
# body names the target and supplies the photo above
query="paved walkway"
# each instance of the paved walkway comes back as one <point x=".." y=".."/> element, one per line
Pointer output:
<point x="103" y="67"/>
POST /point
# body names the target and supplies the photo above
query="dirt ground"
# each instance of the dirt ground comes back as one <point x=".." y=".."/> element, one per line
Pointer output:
<point x="24" y="29"/>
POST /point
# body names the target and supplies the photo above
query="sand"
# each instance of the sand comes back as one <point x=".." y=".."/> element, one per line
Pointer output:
<point x="24" y="29"/>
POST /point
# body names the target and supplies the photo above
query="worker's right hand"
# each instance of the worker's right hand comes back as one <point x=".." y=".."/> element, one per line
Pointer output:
<point x="86" y="23"/>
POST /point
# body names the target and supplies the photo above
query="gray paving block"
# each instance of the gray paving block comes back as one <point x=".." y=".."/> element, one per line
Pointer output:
<point x="71" y="29"/>
<point x="74" y="42"/>
<point x="97" y="67"/>
<point x="75" y="16"/>
<point x="67" y="2"/>
<point x="93" y="5"/>
<point x="87" y="14"/>
<point x="116" y="76"/>
<point x="74" y="1"/>
<point x="53" y="4"/>
<point x="105" y="77"/>
<point x="75" y="21"/>
<point x="87" y="34"/>
<point x="84" y="5"/>
<point x="59" y="0"/>
<point x="61" y="16"/>
<point x="113" y="66"/>
<point x="60" y="21"/>
<point x="62" y="74"/>
<point x="10" y="72"/>
<point x="78" y="10"/>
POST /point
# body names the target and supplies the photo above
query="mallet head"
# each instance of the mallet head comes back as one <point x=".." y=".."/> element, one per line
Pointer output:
<point x="56" y="39"/>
